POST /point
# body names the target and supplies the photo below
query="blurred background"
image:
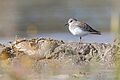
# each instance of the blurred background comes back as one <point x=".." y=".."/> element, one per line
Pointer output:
<point x="46" y="18"/>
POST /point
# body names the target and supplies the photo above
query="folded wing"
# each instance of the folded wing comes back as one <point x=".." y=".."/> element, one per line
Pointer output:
<point x="86" y="27"/>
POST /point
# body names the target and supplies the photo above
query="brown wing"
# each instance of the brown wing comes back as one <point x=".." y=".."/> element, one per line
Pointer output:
<point x="86" y="27"/>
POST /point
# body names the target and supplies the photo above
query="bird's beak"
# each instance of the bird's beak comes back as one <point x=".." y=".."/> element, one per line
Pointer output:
<point x="66" y="24"/>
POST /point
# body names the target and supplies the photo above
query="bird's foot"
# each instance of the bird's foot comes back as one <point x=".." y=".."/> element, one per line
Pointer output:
<point x="81" y="42"/>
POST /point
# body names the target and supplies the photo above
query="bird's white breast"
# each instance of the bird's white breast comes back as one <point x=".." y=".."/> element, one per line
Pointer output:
<point x="77" y="31"/>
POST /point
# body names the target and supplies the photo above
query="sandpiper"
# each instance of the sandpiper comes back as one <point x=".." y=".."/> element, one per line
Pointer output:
<point x="79" y="28"/>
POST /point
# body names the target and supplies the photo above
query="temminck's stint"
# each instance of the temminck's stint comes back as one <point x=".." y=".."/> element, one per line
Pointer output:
<point x="80" y="29"/>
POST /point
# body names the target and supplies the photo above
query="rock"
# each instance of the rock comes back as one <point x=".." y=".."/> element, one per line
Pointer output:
<point x="36" y="48"/>
<point x="54" y="49"/>
<point x="5" y="52"/>
<point x="43" y="57"/>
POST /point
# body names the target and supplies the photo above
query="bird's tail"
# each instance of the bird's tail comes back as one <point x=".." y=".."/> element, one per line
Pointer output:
<point x="96" y="32"/>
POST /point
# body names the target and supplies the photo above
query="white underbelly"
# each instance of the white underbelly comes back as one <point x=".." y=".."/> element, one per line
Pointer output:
<point x="78" y="32"/>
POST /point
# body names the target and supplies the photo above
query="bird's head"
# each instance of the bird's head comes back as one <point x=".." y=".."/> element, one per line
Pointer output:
<point x="71" y="20"/>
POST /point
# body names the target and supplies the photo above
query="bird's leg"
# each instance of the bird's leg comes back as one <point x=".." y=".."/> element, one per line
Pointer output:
<point x="80" y="39"/>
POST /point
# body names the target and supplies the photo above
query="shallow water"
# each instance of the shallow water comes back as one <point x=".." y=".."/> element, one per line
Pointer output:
<point x="68" y="37"/>
<point x="104" y="38"/>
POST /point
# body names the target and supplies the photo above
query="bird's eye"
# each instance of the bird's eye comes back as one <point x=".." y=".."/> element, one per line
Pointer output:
<point x="71" y="21"/>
